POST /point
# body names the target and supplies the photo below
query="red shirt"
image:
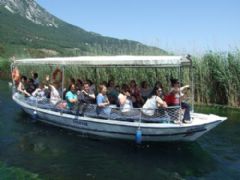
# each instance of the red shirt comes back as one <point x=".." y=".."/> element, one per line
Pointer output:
<point x="171" y="100"/>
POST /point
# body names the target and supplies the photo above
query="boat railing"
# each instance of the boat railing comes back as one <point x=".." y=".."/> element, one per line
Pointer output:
<point x="159" y="115"/>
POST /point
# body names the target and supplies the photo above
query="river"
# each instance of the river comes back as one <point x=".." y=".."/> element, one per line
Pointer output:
<point x="32" y="150"/>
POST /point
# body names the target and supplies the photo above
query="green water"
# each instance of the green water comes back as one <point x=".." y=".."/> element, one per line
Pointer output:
<point x="31" y="150"/>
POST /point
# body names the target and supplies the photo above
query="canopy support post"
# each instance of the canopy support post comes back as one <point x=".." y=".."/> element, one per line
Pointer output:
<point x="13" y="82"/>
<point x="192" y="81"/>
<point x="179" y="93"/>
<point x="63" y="75"/>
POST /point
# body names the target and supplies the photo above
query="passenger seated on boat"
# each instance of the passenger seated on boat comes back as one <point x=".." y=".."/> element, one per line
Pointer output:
<point x="35" y="79"/>
<point x="125" y="99"/>
<point x="54" y="94"/>
<point x="153" y="102"/>
<point x="117" y="87"/>
<point x="175" y="98"/>
<point x="47" y="87"/>
<point x="71" y="97"/>
<point x="92" y="86"/>
<point x="158" y="83"/>
<point x="39" y="93"/>
<point x="21" y="86"/>
<point x="135" y="93"/>
<point x="145" y="91"/>
<point x="30" y="86"/>
<point x="112" y="92"/>
<point x="70" y="81"/>
<point x="102" y="101"/>
<point x="86" y="95"/>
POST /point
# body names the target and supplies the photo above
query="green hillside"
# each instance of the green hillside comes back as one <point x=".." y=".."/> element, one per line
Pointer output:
<point x="23" y="38"/>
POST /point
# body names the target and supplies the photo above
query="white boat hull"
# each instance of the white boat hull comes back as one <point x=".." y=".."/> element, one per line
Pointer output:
<point x="124" y="129"/>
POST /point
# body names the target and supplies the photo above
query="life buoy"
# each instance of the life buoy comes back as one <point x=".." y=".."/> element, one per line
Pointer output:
<point x="16" y="74"/>
<point x="57" y="75"/>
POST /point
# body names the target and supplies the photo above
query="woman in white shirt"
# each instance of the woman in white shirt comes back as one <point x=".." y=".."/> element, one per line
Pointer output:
<point x="154" y="101"/>
<point x="54" y="95"/>
<point x="125" y="99"/>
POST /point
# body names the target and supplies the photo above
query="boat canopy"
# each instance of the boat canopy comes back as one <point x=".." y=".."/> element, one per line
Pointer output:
<point x="106" y="61"/>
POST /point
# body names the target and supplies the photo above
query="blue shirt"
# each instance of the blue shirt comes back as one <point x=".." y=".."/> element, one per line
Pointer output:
<point x="102" y="110"/>
<point x="69" y="96"/>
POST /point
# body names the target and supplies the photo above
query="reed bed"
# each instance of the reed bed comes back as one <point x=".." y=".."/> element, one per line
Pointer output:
<point x="216" y="76"/>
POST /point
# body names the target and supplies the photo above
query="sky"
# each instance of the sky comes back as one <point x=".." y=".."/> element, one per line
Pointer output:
<point x="179" y="26"/>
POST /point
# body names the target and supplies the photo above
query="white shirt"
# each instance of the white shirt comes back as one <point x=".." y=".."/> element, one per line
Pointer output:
<point x="54" y="96"/>
<point x="127" y="106"/>
<point x="150" y="105"/>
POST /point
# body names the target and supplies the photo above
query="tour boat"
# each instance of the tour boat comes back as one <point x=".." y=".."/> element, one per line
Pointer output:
<point x="138" y="127"/>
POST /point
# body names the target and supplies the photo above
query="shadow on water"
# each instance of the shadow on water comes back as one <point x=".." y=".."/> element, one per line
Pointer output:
<point x="55" y="153"/>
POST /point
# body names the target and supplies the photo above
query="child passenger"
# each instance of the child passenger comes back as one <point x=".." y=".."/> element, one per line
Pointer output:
<point x="125" y="99"/>
<point x="102" y="101"/>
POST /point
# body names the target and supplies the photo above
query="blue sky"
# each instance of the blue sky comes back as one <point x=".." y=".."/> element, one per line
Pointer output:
<point x="175" y="25"/>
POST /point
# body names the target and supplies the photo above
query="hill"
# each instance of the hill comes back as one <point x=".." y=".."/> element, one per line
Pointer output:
<point x="28" y="30"/>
